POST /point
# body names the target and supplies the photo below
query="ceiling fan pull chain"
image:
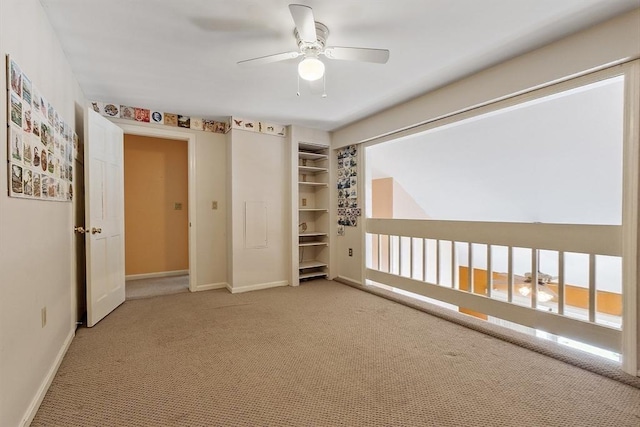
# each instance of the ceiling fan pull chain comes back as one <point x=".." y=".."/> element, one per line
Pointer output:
<point x="324" y="85"/>
<point x="298" y="92"/>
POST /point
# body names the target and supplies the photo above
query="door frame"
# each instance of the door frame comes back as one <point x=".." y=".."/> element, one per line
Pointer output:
<point x="141" y="130"/>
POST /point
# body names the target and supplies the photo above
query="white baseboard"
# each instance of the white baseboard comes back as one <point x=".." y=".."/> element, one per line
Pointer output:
<point x="349" y="279"/>
<point x="156" y="275"/>
<point x="210" y="286"/>
<point x="42" y="390"/>
<point x="256" y="287"/>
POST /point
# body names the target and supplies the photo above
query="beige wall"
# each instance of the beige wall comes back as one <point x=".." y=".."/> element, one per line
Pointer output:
<point x="258" y="174"/>
<point x="36" y="237"/>
<point x="155" y="180"/>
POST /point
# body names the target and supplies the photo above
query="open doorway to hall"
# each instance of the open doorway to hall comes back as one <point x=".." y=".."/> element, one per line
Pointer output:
<point x="156" y="191"/>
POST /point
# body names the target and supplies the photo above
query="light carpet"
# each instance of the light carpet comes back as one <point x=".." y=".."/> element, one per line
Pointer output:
<point x="146" y="288"/>
<point x="321" y="354"/>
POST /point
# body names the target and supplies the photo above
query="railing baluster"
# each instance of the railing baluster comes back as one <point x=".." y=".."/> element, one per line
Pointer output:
<point x="379" y="252"/>
<point x="399" y="255"/>
<point x="561" y="282"/>
<point x="592" y="288"/>
<point x="425" y="260"/>
<point x="437" y="261"/>
<point x="510" y="274"/>
<point x="470" y="283"/>
<point x="454" y="267"/>
<point x="411" y="257"/>
<point x="534" y="278"/>
<point x="489" y="272"/>
<point x="389" y="254"/>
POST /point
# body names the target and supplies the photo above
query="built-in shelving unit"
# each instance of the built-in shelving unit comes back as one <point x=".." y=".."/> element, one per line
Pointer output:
<point x="313" y="210"/>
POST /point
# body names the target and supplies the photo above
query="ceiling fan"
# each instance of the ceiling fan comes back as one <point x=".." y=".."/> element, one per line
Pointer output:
<point x="311" y="37"/>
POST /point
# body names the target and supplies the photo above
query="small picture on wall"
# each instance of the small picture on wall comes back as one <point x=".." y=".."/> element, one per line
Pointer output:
<point x="142" y="115"/>
<point x="51" y="112"/>
<point x="16" y="78"/>
<point x="26" y="119"/>
<point x="27" y="153"/>
<point x="184" y="121"/>
<point x="36" y="156"/>
<point x="44" y="157"/>
<point x="27" y="182"/>
<point x="35" y="98"/>
<point x="209" y="125"/>
<point x="16" y="179"/>
<point x="15" y="144"/>
<point x="157" y="117"/>
<point x="16" y="110"/>
<point x="37" y="188"/>
<point x="111" y="110"/>
<point x="196" y="123"/>
<point x="26" y="89"/>
<point x="170" y="119"/>
<point x="45" y="186"/>
<point x="128" y="113"/>
<point x="97" y="107"/>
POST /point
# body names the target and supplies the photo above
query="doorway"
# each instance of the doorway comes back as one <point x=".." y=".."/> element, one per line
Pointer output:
<point x="159" y="211"/>
<point x="156" y="216"/>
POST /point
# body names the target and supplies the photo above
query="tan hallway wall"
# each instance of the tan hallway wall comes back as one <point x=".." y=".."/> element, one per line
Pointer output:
<point x="156" y="179"/>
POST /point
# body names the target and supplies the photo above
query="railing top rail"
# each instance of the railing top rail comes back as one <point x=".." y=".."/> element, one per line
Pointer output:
<point x="582" y="238"/>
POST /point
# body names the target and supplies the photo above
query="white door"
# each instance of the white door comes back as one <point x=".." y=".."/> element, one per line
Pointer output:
<point x="104" y="217"/>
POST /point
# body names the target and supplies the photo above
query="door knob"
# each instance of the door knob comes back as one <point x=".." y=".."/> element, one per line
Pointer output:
<point x="79" y="230"/>
<point x="95" y="230"/>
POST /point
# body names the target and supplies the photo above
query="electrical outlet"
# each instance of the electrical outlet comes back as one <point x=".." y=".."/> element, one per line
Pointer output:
<point x="214" y="205"/>
<point x="304" y="202"/>
<point x="43" y="315"/>
<point x="350" y="251"/>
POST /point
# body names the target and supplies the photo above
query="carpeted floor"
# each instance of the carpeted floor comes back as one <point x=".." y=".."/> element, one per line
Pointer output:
<point x="146" y="288"/>
<point x="322" y="354"/>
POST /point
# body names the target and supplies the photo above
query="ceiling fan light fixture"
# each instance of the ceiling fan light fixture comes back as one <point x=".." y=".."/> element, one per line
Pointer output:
<point x="311" y="68"/>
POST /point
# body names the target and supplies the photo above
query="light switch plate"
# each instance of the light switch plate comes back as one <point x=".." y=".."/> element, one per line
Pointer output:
<point x="214" y="205"/>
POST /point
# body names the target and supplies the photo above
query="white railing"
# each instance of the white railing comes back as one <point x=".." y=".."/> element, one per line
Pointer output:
<point x="408" y="254"/>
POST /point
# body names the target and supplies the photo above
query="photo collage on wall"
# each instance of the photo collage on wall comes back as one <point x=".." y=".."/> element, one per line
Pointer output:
<point x="146" y="115"/>
<point x="40" y="144"/>
<point x="348" y="210"/>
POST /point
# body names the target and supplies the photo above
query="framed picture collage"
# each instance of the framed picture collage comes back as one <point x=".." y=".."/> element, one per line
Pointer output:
<point x="40" y="143"/>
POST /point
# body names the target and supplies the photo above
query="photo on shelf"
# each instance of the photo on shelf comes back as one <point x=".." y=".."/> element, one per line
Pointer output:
<point x="142" y="115"/>
<point x="128" y="113"/>
<point x="111" y="110"/>
<point x="157" y="117"/>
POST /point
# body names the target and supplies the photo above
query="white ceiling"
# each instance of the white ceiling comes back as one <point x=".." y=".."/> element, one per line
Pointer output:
<point x="180" y="56"/>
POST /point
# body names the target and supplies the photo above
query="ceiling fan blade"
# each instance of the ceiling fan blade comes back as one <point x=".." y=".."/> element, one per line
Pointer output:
<point x="379" y="56"/>
<point x="305" y="22"/>
<point x="270" y="58"/>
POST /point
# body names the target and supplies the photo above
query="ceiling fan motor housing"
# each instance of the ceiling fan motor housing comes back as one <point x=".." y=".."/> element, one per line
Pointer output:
<point x="322" y="33"/>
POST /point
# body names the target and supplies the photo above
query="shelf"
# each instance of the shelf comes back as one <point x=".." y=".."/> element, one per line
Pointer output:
<point x="312" y="234"/>
<point x="310" y="147"/>
<point x="303" y="244"/>
<point x="311" y="264"/>
<point x="311" y="169"/>
<point x="312" y="210"/>
<point x="314" y="184"/>
<point x="312" y="275"/>
<point x="312" y="156"/>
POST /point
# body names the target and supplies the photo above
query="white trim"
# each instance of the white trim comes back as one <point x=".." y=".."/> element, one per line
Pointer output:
<point x="349" y="279"/>
<point x="210" y="286"/>
<point x="630" y="191"/>
<point x="155" y="275"/>
<point x="256" y="287"/>
<point x="141" y="130"/>
<point x="48" y="379"/>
